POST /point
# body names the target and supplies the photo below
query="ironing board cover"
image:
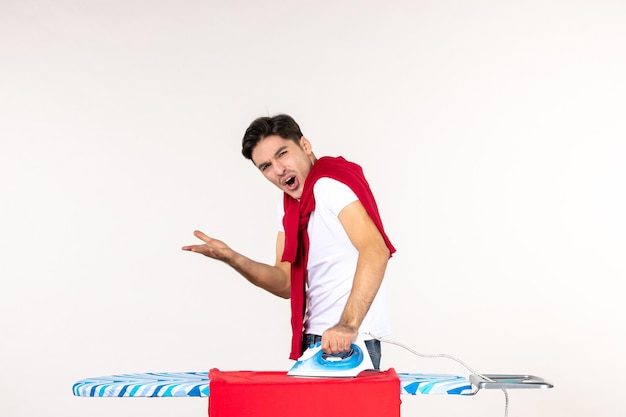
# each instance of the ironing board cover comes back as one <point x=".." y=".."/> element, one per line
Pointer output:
<point x="196" y="384"/>
<point x="152" y="384"/>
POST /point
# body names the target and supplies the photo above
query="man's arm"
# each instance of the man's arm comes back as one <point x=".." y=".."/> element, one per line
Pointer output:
<point x="370" y="270"/>
<point x="275" y="279"/>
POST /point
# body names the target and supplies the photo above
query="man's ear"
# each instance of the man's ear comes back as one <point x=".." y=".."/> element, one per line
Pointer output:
<point x="306" y="145"/>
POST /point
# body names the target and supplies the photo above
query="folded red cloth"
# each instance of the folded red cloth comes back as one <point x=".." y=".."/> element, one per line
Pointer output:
<point x="274" y="394"/>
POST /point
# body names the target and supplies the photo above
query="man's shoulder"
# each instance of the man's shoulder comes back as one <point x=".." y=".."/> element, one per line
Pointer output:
<point x="328" y="184"/>
<point x="333" y="194"/>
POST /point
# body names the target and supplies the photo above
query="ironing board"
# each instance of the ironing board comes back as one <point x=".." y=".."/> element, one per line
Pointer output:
<point x="196" y="384"/>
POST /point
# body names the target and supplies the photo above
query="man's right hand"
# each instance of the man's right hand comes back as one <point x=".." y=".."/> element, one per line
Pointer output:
<point x="212" y="248"/>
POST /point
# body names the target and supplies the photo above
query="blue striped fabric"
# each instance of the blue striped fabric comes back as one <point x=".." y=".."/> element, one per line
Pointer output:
<point x="416" y="384"/>
<point x="153" y="384"/>
<point x="196" y="384"/>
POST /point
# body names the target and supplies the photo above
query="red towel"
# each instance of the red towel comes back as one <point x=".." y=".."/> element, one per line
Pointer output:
<point x="296" y="220"/>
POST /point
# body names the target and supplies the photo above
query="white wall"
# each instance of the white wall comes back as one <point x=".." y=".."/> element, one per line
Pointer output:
<point x="492" y="132"/>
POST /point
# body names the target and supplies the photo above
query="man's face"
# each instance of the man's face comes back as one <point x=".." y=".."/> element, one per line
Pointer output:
<point x="284" y="163"/>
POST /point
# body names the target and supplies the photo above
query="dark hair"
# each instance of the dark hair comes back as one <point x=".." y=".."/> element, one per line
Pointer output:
<point x="282" y="125"/>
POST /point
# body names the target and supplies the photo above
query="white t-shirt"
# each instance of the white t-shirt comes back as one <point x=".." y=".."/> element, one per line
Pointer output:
<point x="332" y="263"/>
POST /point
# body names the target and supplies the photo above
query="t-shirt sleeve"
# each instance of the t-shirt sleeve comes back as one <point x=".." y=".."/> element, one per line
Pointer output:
<point x="333" y="195"/>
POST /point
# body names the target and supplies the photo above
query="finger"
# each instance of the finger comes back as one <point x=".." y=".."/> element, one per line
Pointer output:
<point x="326" y="345"/>
<point x="201" y="236"/>
<point x="345" y="345"/>
<point x="338" y="345"/>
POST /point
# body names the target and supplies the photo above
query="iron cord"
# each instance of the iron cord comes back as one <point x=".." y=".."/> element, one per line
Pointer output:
<point x="445" y="355"/>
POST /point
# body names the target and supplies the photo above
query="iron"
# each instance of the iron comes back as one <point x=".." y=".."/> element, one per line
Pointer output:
<point x="315" y="363"/>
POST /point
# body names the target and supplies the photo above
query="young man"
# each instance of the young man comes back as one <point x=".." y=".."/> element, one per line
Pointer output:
<point x="331" y="249"/>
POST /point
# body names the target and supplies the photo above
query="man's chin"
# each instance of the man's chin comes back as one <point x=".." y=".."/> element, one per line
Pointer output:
<point x="296" y="194"/>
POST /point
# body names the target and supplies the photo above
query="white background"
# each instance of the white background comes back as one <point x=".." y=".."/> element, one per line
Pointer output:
<point x="492" y="133"/>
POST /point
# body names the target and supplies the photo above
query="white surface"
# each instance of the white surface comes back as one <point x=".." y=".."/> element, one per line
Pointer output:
<point x="492" y="134"/>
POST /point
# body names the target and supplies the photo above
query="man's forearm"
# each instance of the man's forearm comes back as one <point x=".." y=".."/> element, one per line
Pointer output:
<point x="271" y="278"/>
<point x="367" y="280"/>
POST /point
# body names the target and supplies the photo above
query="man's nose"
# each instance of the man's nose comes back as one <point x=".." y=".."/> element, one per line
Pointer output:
<point x="279" y="169"/>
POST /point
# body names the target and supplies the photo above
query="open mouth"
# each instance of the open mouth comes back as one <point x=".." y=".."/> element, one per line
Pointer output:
<point x="290" y="181"/>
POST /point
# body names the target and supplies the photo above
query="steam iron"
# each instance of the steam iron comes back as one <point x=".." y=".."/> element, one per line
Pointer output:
<point x="315" y="363"/>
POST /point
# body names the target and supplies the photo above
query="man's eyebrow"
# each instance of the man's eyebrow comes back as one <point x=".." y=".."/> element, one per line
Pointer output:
<point x="279" y="150"/>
